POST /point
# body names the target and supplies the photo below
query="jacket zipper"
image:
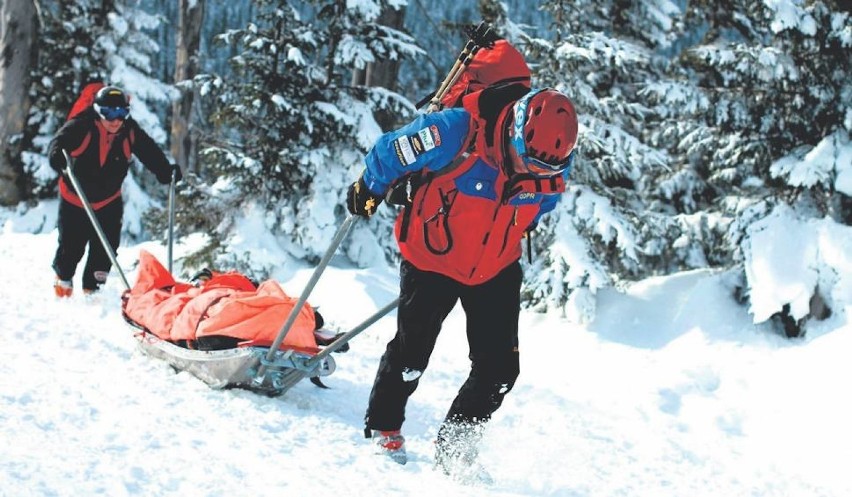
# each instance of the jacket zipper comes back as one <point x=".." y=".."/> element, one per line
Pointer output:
<point x="406" y="219"/>
<point x="502" y="201"/>
<point x="508" y="229"/>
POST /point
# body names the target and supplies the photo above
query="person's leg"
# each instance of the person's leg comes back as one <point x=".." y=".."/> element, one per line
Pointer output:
<point x="98" y="263"/>
<point x="425" y="301"/>
<point x="73" y="227"/>
<point x="492" y="311"/>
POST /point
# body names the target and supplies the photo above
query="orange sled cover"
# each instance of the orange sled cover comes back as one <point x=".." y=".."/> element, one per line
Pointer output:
<point x="228" y="304"/>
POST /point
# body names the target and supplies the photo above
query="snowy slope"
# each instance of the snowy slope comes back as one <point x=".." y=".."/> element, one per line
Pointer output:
<point x="671" y="391"/>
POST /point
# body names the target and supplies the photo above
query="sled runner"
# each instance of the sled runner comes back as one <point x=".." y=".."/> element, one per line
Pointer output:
<point x="237" y="367"/>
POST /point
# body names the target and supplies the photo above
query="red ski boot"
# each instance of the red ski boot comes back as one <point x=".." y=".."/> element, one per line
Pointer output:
<point x="392" y="444"/>
<point x="62" y="288"/>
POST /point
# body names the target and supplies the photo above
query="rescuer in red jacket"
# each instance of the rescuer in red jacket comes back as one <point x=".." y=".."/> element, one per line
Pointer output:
<point x="100" y="139"/>
<point x="477" y="178"/>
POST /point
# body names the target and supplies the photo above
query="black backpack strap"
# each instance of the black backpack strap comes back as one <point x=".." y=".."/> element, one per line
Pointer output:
<point x="425" y="100"/>
<point x="491" y="102"/>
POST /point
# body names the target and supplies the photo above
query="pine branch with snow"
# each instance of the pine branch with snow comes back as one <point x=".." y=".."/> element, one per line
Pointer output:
<point x="301" y="129"/>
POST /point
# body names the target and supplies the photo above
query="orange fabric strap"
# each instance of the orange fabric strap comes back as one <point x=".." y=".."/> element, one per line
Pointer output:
<point x="74" y="200"/>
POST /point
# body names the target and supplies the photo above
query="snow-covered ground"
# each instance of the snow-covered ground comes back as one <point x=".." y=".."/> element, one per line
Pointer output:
<point x="670" y="391"/>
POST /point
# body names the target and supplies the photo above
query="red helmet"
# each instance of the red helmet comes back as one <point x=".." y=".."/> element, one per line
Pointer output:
<point x="545" y="130"/>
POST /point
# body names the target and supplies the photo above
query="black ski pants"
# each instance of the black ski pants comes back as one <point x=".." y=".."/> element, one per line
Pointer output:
<point x="76" y="231"/>
<point x="426" y="298"/>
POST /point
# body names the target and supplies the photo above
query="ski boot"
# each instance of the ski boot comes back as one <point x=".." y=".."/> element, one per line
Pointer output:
<point x="391" y="444"/>
<point x="62" y="288"/>
<point x="457" y="453"/>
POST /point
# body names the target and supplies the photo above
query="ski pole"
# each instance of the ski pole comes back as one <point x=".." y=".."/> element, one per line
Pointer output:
<point x="95" y="224"/>
<point x="435" y="103"/>
<point x="171" y="218"/>
<point x="349" y="335"/>
<point x="326" y="258"/>
<point x="462" y="60"/>
<point x="479" y="37"/>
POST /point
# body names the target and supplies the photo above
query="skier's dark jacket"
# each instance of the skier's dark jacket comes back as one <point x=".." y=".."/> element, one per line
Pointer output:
<point x="465" y="222"/>
<point x="101" y="166"/>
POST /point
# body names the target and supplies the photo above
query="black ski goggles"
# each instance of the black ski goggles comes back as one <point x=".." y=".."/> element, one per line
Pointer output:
<point x="112" y="113"/>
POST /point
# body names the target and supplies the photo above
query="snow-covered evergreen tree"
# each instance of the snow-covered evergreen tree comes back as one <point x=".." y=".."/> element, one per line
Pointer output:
<point x="292" y="131"/>
<point x="606" y="228"/>
<point x="761" y="117"/>
<point x="767" y="103"/>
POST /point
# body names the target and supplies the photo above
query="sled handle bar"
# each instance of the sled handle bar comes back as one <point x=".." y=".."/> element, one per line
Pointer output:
<point x="342" y="231"/>
<point x="91" y="213"/>
<point x="171" y="218"/>
<point x="349" y="335"/>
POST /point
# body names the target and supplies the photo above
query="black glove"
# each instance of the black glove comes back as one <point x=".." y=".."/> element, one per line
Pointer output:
<point x="530" y="229"/>
<point x="57" y="161"/>
<point x="360" y="201"/>
<point x="166" y="177"/>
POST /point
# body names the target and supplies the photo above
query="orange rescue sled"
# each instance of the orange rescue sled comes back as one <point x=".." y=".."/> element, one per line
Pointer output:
<point x="221" y="329"/>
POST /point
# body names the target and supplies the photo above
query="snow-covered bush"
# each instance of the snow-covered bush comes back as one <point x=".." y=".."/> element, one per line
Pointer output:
<point x="795" y="267"/>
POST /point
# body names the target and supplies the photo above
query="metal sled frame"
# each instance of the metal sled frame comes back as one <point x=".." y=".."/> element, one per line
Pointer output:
<point x="237" y="368"/>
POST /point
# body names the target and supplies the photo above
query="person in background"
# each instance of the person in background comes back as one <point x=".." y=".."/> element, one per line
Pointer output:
<point x="101" y="140"/>
<point x="477" y="179"/>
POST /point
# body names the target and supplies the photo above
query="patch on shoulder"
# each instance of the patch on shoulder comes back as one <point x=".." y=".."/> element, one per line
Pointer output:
<point x="436" y="137"/>
<point x="404" y="151"/>
<point x="425" y="136"/>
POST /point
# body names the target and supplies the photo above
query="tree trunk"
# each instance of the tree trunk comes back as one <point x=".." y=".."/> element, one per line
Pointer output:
<point x="18" y="32"/>
<point x="190" y="17"/>
<point x="385" y="73"/>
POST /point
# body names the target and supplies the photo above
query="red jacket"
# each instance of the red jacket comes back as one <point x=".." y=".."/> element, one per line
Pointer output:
<point x="465" y="222"/>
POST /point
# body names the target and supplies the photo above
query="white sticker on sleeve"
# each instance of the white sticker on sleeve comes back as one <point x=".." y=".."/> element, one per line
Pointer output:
<point x="426" y="137"/>
<point x="407" y="152"/>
